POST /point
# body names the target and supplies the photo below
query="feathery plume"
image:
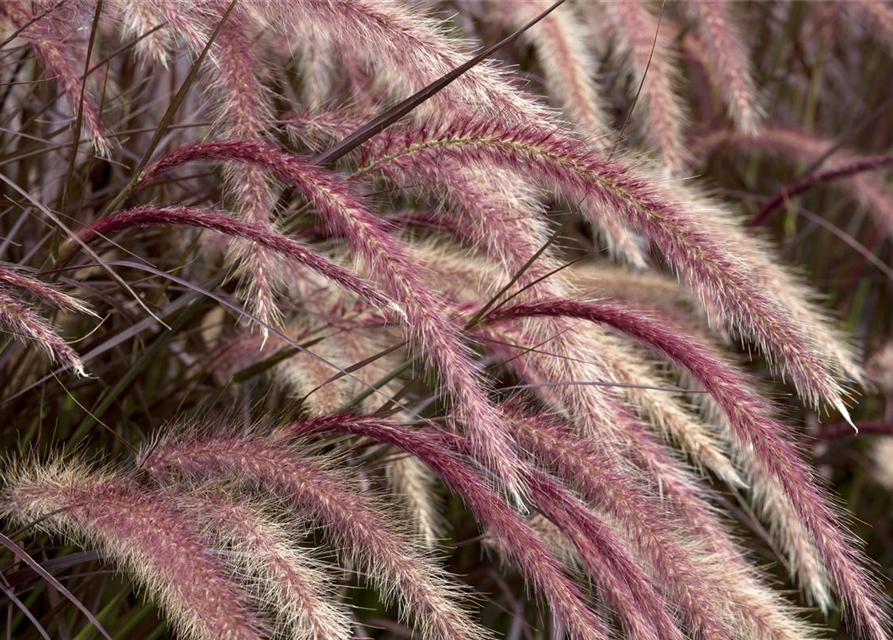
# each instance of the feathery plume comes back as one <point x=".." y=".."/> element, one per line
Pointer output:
<point x="513" y="533"/>
<point x="384" y="256"/>
<point x="568" y="66"/>
<point x="604" y="557"/>
<point x="759" y="439"/>
<point x="643" y="389"/>
<point x="23" y="322"/>
<point x="244" y="112"/>
<point x="406" y="49"/>
<point x="642" y="43"/>
<point x="58" y="58"/>
<point x="354" y="520"/>
<point x="182" y="21"/>
<point x="768" y="615"/>
<point x="476" y="191"/>
<point x="718" y="261"/>
<point x="615" y="362"/>
<point x="348" y="259"/>
<point x="559" y="543"/>
<point x="728" y="60"/>
<point x="743" y="606"/>
<point x="704" y="596"/>
<point x="646" y="290"/>
<point x="142" y="532"/>
<point x="635" y="598"/>
<point x="504" y="222"/>
<point x="227" y="225"/>
<point x="410" y="480"/>
<point x="309" y="378"/>
<point x="49" y="294"/>
<point x="300" y="594"/>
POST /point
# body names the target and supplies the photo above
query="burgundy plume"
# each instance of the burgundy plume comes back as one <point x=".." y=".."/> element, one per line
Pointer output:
<point x="756" y="432"/>
<point x="386" y="257"/>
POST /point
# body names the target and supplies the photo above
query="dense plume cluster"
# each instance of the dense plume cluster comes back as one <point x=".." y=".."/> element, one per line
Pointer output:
<point x="509" y="365"/>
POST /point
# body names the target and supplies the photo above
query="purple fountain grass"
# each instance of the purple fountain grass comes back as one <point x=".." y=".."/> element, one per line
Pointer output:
<point x="769" y="619"/>
<point x="630" y="380"/>
<point x="594" y="355"/>
<point x="634" y="597"/>
<point x="604" y="557"/>
<point x="507" y="225"/>
<point x="298" y="374"/>
<point x="262" y="548"/>
<point x="552" y="535"/>
<point x="426" y="55"/>
<point x="59" y="59"/>
<point x="319" y="78"/>
<point x="758" y="612"/>
<point x="760" y="440"/>
<point x="309" y="379"/>
<point x="808" y="147"/>
<point x="223" y="223"/>
<point x="716" y="260"/>
<point x="728" y="60"/>
<point x="559" y="40"/>
<point x="23" y="322"/>
<point x="769" y="616"/>
<point x="49" y="294"/>
<point x="477" y="193"/>
<point x="536" y="355"/>
<point x="411" y="482"/>
<point x="708" y="600"/>
<point x="515" y="536"/>
<point x="434" y="260"/>
<point x="385" y="257"/>
<point x="634" y="29"/>
<point x="242" y="102"/>
<point x="145" y="534"/>
<point x="185" y="22"/>
<point x="135" y="19"/>
<point x="244" y="112"/>
<point x="410" y="51"/>
<point x="354" y="520"/>
<point x="649" y="291"/>
<point x="625" y="375"/>
<point x="465" y="279"/>
<point x="408" y="479"/>
<point x="405" y="48"/>
<point x="790" y="294"/>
